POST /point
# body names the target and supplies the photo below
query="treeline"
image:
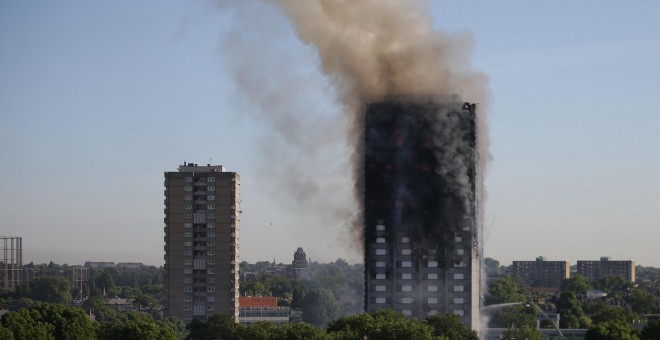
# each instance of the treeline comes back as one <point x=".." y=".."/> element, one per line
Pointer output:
<point x="624" y="305"/>
<point x="55" y="321"/>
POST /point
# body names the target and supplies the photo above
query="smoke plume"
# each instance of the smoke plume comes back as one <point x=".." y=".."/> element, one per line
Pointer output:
<point x="367" y="50"/>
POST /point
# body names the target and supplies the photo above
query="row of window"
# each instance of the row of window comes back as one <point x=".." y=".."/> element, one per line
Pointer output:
<point x="190" y="225"/>
<point x="189" y="188"/>
<point x="189" y="216"/>
<point x="429" y="276"/>
<point x="190" y="179"/>
<point x="405" y="239"/>
<point x="190" y="206"/>
<point x="209" y="308"/>
<point x="190" y="244"/>
<point x="190" y="197"/>
<point x="408" y="300"/>
<point x="189" y="289"/>
<point x="409" y="288"/>
<point x="409" y="264"/>
<point x="208" y="271"/>
<point x="190" y="234"/>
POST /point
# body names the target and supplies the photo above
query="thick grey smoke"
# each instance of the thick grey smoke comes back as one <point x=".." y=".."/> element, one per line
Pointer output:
<point x="367" y="49"/>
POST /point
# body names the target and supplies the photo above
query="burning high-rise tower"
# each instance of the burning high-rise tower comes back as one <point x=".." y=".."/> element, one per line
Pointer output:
<point x="422" y="180"/>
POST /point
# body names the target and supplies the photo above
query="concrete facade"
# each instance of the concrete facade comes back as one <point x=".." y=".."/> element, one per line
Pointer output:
<point x="202" y="242"/>
<point x="542" y="273"/>
<point x="596" y="270"/>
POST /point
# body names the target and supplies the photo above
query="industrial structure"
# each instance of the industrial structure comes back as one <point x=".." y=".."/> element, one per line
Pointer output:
<point x="11" y="253"/>
<point x="596" y="270"/>
<point x="421" y="213"/>
<point x="201" y="242"/>
<point x="542" y="273"/>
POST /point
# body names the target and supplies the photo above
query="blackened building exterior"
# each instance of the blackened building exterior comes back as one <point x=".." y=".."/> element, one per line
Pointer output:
<point x="421" y="181"/>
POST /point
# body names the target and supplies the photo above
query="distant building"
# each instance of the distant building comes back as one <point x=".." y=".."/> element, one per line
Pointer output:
<point x="130" y="265"/>
<point x="299" y="264"/>
<point x="11" y="261"/>
<point x="98" y="265"/>
<point x="256" y="309"/>
<point x="596" y="270"/>
<point x="542" y="273"/>
<point x="201" y="242"/>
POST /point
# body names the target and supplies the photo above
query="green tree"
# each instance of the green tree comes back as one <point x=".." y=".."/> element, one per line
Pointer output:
<point x="6" y="333"/>
<point x="614" y="314"/>
<point x="651" y="331"/>
<point x="222" y="326"/>
<point x="578" y="284"/>
<point x="524" y="332"/>
<point x="612" y="330"/>
<point x="514" y="317"/>
<point x="641" y="301"/>
<point x="450" y="326"/>
<point x="612" y="285"/>
<point x="384" y="324"/>
<point x="136" y="330"/>
<point x="105" y="284"/>
<point x="320" y="307"/>
<point x="50" y="321"/>
<point x="569" y="308"/>
<point x="25" y="325"/>
<point x="507" y="289"/>
<point x="50" y="289"/>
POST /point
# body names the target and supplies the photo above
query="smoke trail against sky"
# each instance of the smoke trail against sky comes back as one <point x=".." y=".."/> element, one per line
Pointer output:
<point x="367" y="50"/>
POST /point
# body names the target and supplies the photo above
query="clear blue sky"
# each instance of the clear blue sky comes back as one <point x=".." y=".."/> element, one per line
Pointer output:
<point x="98" y="99"/>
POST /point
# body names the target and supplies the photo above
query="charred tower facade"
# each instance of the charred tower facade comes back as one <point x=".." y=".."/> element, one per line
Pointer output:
<point x="422" y="229"/>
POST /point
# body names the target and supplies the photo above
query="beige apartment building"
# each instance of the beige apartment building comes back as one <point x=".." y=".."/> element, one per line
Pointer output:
<point x="542" y="273"/>
<point x="201" y="242"/>
<point x="596" y="270"/>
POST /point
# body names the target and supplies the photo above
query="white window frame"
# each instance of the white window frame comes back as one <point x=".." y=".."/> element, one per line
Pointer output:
<point x="210" y="198"/>
<point x="187" y="197"/>
<point x="210" y="179"/>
